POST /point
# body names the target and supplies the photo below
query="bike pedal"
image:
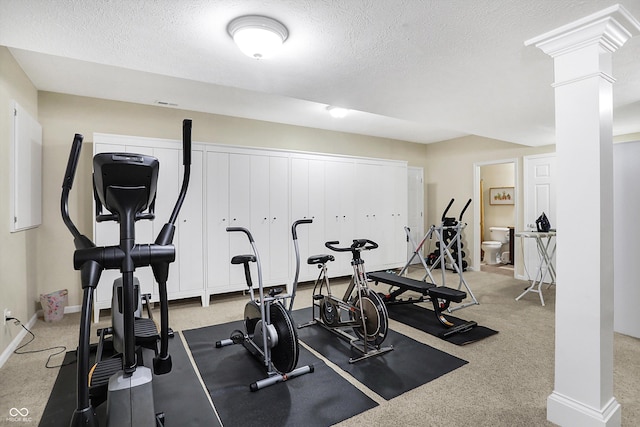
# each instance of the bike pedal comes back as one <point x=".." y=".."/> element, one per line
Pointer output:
<point x="318" y="297"/>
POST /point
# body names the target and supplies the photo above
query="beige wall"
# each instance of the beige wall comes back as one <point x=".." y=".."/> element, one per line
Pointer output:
<point x="18" y="255"/>
<point x="450" y="174"/>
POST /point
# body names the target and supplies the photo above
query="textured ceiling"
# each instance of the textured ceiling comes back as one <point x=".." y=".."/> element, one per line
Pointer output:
<point x="416" y="70"/>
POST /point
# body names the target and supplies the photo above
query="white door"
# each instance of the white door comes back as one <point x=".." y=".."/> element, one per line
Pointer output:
<point x="415" y="220"/>
<point x="217" y="220"/>
<point x="190" y="225"/>
<point x="539" y="197"/>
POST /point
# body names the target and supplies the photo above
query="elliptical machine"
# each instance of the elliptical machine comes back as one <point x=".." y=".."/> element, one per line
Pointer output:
<point x="125" y="184"/>
<point x="269" y="334"/>
<point x="367" y="314"/>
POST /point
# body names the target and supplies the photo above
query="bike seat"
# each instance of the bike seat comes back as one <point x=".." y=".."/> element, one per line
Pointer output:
<point x="320" y="259"/>
<point x="275" y="291"/>
<point x="242" y="259"/>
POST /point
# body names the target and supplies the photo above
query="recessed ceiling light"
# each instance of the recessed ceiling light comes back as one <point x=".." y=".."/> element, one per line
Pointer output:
<point x="337" y="112"/>
<point x="258" y="37"/>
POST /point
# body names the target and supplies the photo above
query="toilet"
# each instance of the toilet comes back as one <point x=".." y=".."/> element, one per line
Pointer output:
<point x="493" y="248"/>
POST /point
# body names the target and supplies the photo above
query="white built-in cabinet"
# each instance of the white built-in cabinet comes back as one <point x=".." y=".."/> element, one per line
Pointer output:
<point x="264" y="191"/>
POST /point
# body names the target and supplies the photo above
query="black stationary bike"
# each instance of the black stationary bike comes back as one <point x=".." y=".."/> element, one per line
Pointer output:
<point x="360" y="309"/>
<point x="125" y="184"/>
<point x="269" y="334"/>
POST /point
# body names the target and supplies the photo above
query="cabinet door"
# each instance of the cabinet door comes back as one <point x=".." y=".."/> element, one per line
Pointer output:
<point x="239" y="208"/>
<point x="259" y="212"/>
<point x="190" y="228"/>
<point x="371" y="203"/>
<point x="340" y="210"/>
<point x="300" y="209"/>
<point x="317" y="198"/>
<point x="280" y="239"/>
<point x="217" y="219"/>
<point x="400" y="215"/>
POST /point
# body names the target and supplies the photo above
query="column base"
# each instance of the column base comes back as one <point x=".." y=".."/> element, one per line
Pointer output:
<point x="565" y="411"/>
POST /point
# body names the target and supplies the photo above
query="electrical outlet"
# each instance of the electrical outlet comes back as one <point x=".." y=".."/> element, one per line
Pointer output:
<point x="7" y="313"/>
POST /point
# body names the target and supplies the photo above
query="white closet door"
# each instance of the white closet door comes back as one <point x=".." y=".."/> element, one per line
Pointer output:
<point x="280" y="239"/>
<point x="190" y="226"/>
<point x="239" y="208"/>
<point x="300" y="195"/>
<point x="217" y="219"/>
<point x="369" y="213"/>
<point x="399" y="214"/>
<point x="317" y="200"/>
<point x="259" y="210"/>
<point x="340" y="209"/>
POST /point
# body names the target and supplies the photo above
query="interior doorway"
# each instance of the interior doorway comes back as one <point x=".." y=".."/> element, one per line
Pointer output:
<point x="496" y="191"/>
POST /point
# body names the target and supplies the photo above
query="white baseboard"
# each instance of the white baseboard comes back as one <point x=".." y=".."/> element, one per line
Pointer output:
<point x="72" y="309"/>
<point x="566" y="411"/>
<point x="17" y="340"/>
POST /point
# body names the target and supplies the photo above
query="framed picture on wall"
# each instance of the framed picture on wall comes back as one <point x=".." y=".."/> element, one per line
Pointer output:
<point x="502" y="196"/>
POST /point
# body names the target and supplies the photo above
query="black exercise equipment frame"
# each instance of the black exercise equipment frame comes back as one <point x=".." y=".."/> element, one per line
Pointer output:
<point x="127" y="256"/>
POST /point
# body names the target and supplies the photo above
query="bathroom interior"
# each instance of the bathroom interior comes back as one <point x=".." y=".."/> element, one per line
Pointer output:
<point x="497" y="217"/>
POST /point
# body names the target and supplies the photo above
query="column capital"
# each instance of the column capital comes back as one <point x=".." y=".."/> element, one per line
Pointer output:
<point x="610" y="28"/>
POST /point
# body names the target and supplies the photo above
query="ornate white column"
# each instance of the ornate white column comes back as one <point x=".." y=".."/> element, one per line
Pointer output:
<point x="582" y="52"/>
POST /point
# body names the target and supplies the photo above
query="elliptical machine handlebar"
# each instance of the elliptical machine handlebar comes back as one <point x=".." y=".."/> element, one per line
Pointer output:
<point x="444" y="214"/>
<point x="162" y="362"/>
<point x="80" y="241"/>
<point x="464" y="209"/>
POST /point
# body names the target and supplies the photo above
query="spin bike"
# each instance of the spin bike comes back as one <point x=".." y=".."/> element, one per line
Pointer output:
<point x="368" y="315"/>
<point x="269" y="334"/>
<point x="125" y="184"/>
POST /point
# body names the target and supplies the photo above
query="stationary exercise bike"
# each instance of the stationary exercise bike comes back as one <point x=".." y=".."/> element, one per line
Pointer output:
<point x="269" y="334"/>
<point x="367" y="314"/>
<point x="125" y="184"/>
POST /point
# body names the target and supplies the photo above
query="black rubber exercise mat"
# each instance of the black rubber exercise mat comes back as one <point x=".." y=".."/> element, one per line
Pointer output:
<point x="410" y="364"/>
<point x="320" y="398"/>
<point x="179" y="394"/>
<point x="425" y="320"/>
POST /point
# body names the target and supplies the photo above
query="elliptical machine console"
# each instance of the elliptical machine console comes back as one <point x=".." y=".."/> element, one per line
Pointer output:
<point x="125" y="184"/>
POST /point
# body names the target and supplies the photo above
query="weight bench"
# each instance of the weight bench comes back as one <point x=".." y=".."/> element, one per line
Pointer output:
<point x="440" y="296"/>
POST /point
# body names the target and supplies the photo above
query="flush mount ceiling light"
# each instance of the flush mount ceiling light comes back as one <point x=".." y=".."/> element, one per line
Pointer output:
<point x="337" y="112"/>
<point x="257" y="36"/>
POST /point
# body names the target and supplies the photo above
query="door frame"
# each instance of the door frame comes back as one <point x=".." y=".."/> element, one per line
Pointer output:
<point x="476" y="206"/>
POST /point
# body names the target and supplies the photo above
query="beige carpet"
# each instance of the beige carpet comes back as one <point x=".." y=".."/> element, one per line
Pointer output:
<point x="505" y="383"/>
